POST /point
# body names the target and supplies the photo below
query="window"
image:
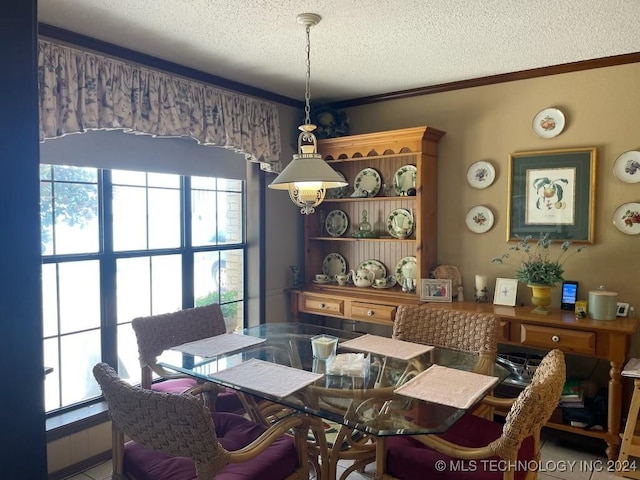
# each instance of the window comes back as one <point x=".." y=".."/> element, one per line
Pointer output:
<point x="120" y="244"/>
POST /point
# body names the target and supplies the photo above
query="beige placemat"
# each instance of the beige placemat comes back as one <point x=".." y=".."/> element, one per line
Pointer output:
<point x="448" y="386"/>
<point x="218" y="345"/>
<point x="389" y="347"/>
<point x="267" y="377"/>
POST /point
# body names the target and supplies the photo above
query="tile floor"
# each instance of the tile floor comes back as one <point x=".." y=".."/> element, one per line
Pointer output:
<point x="564" y="456"/>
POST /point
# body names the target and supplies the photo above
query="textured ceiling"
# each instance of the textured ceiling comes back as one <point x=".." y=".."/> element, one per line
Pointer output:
<point x="361" y="47"/>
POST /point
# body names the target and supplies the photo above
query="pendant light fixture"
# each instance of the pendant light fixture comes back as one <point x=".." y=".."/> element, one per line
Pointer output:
<point x="307" y="176"/>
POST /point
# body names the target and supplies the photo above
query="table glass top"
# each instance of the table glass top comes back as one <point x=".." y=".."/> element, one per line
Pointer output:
<point x="362" y="398"/>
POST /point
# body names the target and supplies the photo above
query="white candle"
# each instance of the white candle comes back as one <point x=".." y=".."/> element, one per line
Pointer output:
<point x="481" y="283"/>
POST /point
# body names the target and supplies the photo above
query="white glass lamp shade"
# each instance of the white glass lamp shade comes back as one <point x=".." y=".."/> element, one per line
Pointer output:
<point x="307" y="178"/>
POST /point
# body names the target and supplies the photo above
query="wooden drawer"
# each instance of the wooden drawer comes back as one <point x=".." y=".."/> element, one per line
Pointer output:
<point x="563" y="339"/>
<point x="373" y="312"/>
<point x="504" y="330"/>
<point x="321" y="305"/>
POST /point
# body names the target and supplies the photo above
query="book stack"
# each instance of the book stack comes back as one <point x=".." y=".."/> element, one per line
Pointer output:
<point x="572" y="395"/>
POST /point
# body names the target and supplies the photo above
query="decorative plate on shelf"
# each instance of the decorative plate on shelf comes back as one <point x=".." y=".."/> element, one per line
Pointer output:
<point x="375" y="266"/>
<point x="479" y="219"/>
<point x="627" y="167"/>
<point x="338" y="192"/>
<point x="333" y="264"/>
<point x="407" y="262"/>
<point x="397" y="221"/>
<point x="404" y="179"/>
<point x="548" y="123"/>
<point x="336" y="223"/>
<point x="627" y="218"/>
<point x="481" y="175"/>
<point x="368" y="180"/>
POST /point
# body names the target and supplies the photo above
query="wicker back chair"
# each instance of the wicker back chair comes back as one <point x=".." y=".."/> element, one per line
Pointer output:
<point x="473" y="438"/>
<point x="180" y="425"/>
<point x="157" y="333"/>
<point x="467" y="331"/>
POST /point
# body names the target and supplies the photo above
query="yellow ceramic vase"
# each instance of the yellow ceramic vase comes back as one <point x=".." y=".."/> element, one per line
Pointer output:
<point x="541" y="298"/>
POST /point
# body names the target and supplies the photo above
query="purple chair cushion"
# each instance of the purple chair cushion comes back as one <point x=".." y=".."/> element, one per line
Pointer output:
<point x="409" y="459"/>
<point x="227" y="400"/>
<point x="234" y="432"/>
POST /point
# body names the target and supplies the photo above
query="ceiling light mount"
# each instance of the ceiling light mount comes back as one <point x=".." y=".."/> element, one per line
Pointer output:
<point x="307" y="176"/>
<point x="309" y="19"/>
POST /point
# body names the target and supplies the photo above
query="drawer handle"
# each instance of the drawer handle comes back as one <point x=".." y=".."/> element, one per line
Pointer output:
<point x="370" y="313"/>
<point x="555" y="338"/>
<point x="322" y="305"/>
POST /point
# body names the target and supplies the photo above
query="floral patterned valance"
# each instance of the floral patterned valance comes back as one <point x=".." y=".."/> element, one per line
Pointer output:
<point x="82" y="91"/>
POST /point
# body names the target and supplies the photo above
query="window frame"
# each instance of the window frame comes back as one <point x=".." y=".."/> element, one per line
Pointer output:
<point x="107" y="259"/>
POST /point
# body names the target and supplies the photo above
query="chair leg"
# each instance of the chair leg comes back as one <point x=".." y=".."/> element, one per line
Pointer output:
<point x="300" y="438"/>
<point x="630" y="446"/>
<point x="381" y="458"/>
<point x="117" y="453"/>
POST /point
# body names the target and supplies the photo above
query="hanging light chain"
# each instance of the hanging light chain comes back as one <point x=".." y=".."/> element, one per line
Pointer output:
<point x="307" y="91"/>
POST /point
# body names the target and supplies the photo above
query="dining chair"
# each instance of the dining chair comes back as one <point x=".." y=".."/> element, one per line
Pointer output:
<point x="176" y="437"/>
<point x="441" y="327"/>
<point x="477" y="448"/>
<point x="157" y="333"/>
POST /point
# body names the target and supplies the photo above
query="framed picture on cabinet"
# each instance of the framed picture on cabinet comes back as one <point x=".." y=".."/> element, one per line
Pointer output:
<point x="505" y="293"/>
<point x="552" y="191"/>
<point x="435" y="290"/>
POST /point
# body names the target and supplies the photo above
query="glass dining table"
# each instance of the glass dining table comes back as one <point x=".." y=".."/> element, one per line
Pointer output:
<point x="360" y="399"/>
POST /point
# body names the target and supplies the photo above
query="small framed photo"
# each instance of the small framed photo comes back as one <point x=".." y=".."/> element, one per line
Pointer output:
<point x="435" y="290"/>
<point x="505" y="293"/>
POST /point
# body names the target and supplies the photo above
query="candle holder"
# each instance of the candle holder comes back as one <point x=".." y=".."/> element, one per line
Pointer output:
<point x="481" y="295"/>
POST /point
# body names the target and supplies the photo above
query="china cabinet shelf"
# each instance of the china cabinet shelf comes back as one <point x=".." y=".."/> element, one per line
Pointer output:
<point x="366" y="199"/>
<point x="353" y="239"/>
<point x="370" y="157"/>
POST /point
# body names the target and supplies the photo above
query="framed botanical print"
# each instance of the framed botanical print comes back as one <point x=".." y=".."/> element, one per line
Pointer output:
<point x="552" y="191"/>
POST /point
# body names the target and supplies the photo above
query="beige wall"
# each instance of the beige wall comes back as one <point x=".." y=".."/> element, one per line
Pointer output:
<point x="487" y="123"/>
<point x="284" y="227"/>
<point x="78" y="447"/>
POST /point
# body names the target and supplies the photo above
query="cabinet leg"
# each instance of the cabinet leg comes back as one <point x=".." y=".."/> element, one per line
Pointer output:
<point x="614" y="415"/>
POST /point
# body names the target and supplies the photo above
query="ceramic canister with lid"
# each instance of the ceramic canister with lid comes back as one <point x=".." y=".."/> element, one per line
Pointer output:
<point x="603" y="305"/>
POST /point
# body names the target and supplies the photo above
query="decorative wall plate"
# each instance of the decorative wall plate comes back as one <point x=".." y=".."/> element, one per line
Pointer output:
<point x="338" y="192"/>
<point x="336" y="223"/>
<point x="479" y="219"/>
<point x="548" y="123"/>
<point x="368" y="179"/>
<point x="375" y="266"/>
<point x="627" y="167"/>
<point x="406" y="262"/>
<point x="481" y="175"/>
<point x="627" y="218"/>
<point x="333" y="264"/>
<point x="404" y="179"/>
<point x="397" y="220"/>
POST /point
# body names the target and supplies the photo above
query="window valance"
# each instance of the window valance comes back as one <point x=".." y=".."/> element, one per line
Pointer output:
<point x="82" y="91"/>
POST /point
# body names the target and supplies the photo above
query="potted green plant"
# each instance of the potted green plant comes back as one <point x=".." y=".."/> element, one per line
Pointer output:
<point x="536" y="267"/>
